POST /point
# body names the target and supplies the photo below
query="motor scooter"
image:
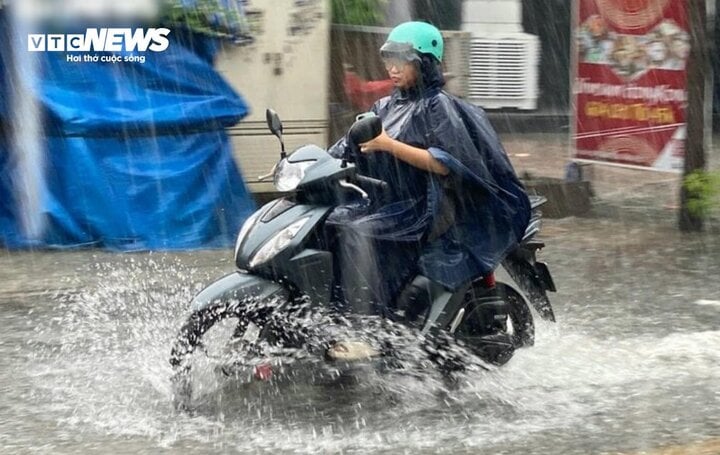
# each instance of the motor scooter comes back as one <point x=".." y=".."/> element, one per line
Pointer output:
<point x="283" y="256"/>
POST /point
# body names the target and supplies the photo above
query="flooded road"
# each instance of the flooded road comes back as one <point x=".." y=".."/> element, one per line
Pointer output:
<point x="632" y="365"/>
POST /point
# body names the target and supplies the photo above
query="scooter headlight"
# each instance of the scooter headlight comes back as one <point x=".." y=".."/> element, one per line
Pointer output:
<point x="277" y="243"/>
<point x="245" y="229"/>
<point x="288" y="175"/>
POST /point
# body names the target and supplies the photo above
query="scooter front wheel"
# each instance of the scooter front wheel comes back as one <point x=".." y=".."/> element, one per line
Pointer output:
<point x="191" y="337"/>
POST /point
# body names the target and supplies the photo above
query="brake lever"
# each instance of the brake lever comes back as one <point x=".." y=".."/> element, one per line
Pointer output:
<point x="351" y="186"/>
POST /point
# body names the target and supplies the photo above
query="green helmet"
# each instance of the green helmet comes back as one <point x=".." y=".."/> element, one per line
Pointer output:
<point x="420" y="37"/>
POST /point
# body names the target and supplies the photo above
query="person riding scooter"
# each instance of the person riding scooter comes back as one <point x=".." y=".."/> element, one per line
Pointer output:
<point x="453" y="206"/>
<point x="410" y="225"/>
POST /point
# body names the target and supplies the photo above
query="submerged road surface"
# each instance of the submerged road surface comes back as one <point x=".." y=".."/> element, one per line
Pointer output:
<point x="632" y="366"/>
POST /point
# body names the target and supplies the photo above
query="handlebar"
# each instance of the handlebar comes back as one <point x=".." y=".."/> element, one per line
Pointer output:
<point x="380" y="184"/>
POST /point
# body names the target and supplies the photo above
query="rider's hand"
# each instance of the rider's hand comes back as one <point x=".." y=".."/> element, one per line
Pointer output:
<point x="418" y="157"/>
<point x="382" y="142"/>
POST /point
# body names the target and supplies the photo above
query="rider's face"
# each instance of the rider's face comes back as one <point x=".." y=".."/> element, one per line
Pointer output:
<point x="401" y="72"/>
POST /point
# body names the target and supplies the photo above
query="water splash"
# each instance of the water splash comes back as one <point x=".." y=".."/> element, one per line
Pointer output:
<point x="99" y="366"/>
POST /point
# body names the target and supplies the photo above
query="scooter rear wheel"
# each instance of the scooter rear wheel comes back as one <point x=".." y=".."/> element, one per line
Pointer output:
<point x="493" y="338"/>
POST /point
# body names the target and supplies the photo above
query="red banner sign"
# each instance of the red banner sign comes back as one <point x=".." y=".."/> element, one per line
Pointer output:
<point x="630" y="82"/>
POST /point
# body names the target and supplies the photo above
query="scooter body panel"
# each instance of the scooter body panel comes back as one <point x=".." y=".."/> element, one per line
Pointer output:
<point x="237" y="286"/>
<point x="267" y="227"/>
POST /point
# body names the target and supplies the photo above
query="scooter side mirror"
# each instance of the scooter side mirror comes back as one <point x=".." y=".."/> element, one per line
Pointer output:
<point x="274" y="123"/>
<point x="365" y="130"/>
<point x="275" y="126"/>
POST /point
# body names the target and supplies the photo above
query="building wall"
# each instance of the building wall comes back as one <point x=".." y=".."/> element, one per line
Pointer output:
<point x="286" y="68"/>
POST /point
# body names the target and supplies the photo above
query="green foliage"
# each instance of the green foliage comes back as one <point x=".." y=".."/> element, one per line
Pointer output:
<point x="358" y="12"/>
<point x="703" y="190"/>
<point x="207" y="17"/>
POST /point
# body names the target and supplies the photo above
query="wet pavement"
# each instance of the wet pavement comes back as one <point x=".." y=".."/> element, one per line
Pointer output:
<point x="631" y="366"/>
<point x="546" y="155"/>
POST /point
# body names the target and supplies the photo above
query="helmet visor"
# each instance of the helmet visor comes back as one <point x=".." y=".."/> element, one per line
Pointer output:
<point x="399" y="51"/>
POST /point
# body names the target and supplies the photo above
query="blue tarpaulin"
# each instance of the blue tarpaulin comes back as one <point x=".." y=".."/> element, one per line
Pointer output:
<point x="3" y="74"/>
<point x="136" y="154"/>
<point x="7" y="218"/>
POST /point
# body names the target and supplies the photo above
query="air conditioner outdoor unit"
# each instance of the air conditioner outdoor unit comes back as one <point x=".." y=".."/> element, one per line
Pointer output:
<point x="503" y="59"/>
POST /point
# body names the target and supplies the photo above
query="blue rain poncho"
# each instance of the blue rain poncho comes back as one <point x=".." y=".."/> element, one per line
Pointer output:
<point x="452" y="228"/>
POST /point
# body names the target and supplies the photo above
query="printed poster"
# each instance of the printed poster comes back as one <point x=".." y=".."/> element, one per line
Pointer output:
<point x="630" y="82"/>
